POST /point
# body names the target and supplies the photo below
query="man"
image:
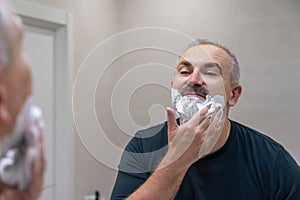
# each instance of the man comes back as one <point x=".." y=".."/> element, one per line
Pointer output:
<point x="199" y="159"/>
<point x="15" y="89"/>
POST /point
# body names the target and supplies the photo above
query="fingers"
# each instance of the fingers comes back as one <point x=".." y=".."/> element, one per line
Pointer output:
<point x="35" y="187"/>
<point x="33" y="191"/>
<point x="37" y="168"/>
<point x="10" y="194"/>
<point x="199" y="116"/>
<point x="201" y="129"/>
<point x="42" y="151"/>
<point x="204" y="125"/>
<point x="172" y="124"/>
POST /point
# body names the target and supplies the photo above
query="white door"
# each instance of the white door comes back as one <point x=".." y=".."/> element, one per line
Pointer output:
<point x="38" y="46"/>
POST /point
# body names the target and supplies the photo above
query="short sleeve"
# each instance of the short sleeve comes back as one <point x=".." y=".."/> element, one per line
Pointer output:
<point x="131" y="174"/>
<point x="285" y="182"/>
<point x="139" y="159"/>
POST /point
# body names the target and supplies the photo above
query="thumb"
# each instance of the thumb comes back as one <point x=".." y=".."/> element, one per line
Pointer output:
<point x="172" y="124"/>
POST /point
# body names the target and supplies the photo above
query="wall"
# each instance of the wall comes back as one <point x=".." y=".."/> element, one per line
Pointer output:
<point x="263" y="34"/>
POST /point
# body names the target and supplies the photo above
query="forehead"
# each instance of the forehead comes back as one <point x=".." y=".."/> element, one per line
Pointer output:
<point x="201" y="54"/>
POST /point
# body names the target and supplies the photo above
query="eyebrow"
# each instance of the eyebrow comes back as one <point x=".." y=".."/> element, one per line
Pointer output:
<point x="207" y="65"/>
<point x="184" y="62"/>
<point x="213" y="64"/>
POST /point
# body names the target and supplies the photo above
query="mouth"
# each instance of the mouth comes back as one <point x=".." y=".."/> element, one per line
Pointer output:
<point x="199" y="95"/>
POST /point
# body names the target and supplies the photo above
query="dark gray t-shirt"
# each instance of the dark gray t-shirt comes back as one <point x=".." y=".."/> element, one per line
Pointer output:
<point x="249" y="166"/>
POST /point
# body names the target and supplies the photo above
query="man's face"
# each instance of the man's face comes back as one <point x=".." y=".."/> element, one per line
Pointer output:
<point x="203" y="70"/>
<point x="15" y="82"/>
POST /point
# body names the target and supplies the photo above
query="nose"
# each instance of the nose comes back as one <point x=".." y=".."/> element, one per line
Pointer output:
<point x="195" y="78"/>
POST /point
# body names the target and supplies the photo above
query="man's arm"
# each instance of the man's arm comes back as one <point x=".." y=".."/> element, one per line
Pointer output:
<point x="162" y="184"/>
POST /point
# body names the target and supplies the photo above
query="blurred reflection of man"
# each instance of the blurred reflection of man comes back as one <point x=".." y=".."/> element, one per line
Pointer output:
<point x="15" y="89"/>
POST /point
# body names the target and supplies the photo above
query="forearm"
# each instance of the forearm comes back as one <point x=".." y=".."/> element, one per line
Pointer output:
<point x="162" y="184"/>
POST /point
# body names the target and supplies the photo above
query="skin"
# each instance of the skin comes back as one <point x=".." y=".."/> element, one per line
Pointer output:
<point x="15" y="87"/>
<point x="15" y="82"/>
<point x="202" y="65"/>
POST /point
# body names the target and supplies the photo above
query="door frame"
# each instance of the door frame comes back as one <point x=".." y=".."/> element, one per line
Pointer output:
<point x="61" y="23"/>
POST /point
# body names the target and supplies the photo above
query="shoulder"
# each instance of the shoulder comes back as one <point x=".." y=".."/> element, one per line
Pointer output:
<point x="152" y="131"/>
<point x="262" y="147"/>
<point x="145" y="150"/>
<point x="149" y="139"/>
<point x="270" y="160"/>
<point x="256" y="147"/>
<point x="253" y="137"/>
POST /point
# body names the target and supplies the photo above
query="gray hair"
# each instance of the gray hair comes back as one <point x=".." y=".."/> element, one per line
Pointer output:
<point x="234" y="64"/>
<point x="6" y="34"/>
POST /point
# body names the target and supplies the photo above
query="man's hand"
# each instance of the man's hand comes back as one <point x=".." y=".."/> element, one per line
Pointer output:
<point x="185" y="141"/>
<point x="33" y="191"/>
<point x="184" y="145"/>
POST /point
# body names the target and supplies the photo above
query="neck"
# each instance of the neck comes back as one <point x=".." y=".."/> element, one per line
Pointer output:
<point x="223" y="137"/>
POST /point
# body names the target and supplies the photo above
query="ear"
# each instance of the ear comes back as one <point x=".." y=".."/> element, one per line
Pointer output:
<point x="235" y="94"/>
<point x="4" y="114"/>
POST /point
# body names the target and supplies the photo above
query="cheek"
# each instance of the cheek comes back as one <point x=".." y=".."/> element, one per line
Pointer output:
<point x="26" y="77"/>
<point x="28" y="81"/>
<point x="216" y="86"/>
<point x="179" y="82"/>
<point x="20" y="86"/>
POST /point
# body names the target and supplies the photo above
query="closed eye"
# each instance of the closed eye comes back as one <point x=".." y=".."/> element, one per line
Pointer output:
<point x="185" y="68"/>
<point x="184" y="72"/>
<point x="213" y="68"/>
<point x="211" y="73"/>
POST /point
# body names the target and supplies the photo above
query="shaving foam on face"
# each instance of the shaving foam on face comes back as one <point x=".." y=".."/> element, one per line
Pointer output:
<point x="19" y="148"/>
<point x="187" y="106"/>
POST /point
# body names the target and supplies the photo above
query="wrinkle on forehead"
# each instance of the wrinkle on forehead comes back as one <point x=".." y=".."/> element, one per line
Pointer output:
<point x="205" y="53"/>
<point x="194" y="54"/>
